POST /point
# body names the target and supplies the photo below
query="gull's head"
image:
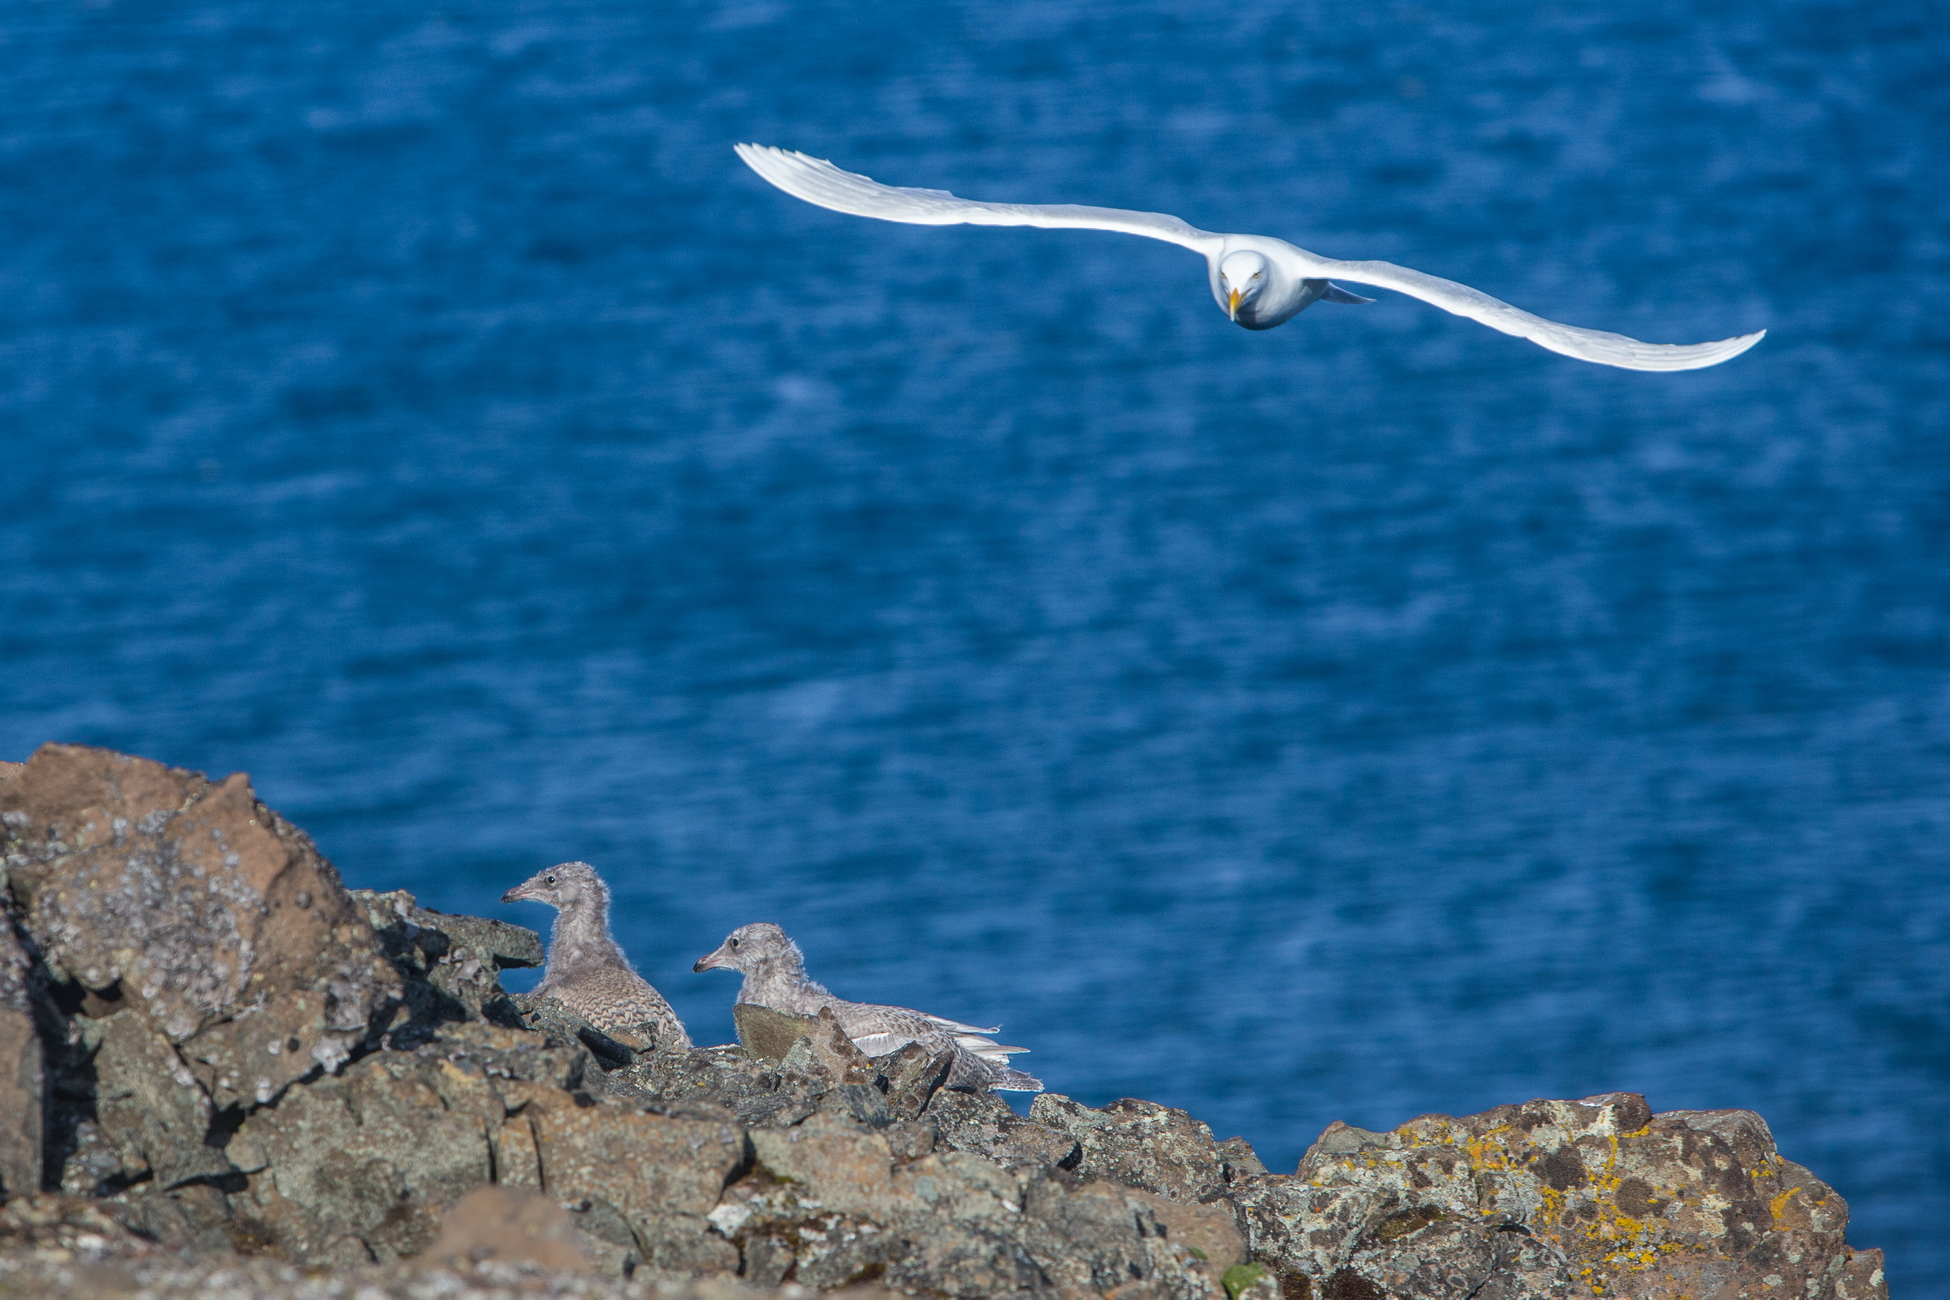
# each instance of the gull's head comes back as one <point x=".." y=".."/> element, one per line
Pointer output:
<point x="751" y="949"/>
<point x="1241" y="276"/>
<point x="562" y="886"/>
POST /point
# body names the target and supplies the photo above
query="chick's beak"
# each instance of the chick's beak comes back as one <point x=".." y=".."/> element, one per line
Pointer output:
<point x="709" y="961"/>
<point x="519" y="894"/>
<point x="1232" y="307"/>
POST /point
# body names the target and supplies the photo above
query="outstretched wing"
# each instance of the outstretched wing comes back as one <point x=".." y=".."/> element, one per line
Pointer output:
<point x="818" y="181"/>
<point x="1586" y="345"/>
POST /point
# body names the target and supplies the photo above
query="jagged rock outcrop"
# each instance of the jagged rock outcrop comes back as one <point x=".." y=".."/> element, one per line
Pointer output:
<point x="162" y="926"/>
<point x="1558" y="1198"/>
<point x="194" y="905"/>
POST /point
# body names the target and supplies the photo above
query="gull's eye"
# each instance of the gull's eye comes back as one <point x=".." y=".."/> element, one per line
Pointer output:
<point x="734" y="943"/>
<point x="548" y="880"/>
<point x="1255" y="275"/>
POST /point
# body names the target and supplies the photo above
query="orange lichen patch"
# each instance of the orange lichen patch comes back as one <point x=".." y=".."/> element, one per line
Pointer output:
<point x="1486" y="1151"/>
<point x="1631" y="1208"/>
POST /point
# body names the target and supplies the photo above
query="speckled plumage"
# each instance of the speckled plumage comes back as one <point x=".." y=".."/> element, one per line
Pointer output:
<point x="775" y="977"/>
<point x="586" y="969"/>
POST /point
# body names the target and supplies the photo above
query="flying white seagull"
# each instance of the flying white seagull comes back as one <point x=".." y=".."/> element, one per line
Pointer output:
<point x="1259" y="281"/>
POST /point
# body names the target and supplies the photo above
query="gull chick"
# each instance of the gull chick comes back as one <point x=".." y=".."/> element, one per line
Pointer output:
<point x="775" y="977"/>
<point x="1258" y="281"/>
<point x="586" y="969"/>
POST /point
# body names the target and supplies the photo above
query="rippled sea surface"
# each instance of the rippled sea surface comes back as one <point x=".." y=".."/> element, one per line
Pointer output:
<point x="419" y="407"/>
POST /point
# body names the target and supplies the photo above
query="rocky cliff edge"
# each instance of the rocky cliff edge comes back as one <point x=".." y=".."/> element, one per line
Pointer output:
<point x="223" y="1073"/>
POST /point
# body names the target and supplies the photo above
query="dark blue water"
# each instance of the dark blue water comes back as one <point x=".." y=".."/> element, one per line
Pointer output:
<point x="421" y="408"/>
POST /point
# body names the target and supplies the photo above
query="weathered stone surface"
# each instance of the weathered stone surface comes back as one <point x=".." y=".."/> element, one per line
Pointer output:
<point x="831" y="1202"/>
<point x="767" y="1034"/>
<point x="84" y="1266"/>
<point x="756" y="1093"/>
<point x="1101" y="1237"/>
<point x="1556" y="1198"/>
<point x="56" y="1222"/>
<point x="451" y="964"/>
<point x="555" y="1021"/>
<point x="983" y="1123"/>
<point x="913" y="1077"/>
<point x="195" y="1216"/>
<point x="193" y="901"/>
<point x="147" y="1103"/>
<point x="641" y="1162"/>
<point x="508" y="1224"/>
<point x="361" y="1165"/>
<point x="22" y="1073"/>
<point x="1142" y="1144"/>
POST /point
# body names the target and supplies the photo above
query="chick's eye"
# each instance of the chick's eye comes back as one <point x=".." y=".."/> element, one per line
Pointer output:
<point x="734" y="943"/>
<point x="548" y="880"/>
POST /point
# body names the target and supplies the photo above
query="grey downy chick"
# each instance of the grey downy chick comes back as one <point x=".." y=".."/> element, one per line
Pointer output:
<point x="775" y="977"/>
<point x="586" y="969"/>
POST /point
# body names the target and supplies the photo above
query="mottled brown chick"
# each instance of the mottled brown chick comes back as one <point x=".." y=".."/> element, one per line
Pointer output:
<point x="586" y="969"/>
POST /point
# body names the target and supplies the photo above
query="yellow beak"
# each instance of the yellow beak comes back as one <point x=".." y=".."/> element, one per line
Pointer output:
<point x="1232" y="308"/>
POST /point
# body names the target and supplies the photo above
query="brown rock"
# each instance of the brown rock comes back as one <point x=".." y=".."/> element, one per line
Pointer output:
<point x="844" y="1166"/>
<point x="514" y="1225"/>
<point x="193" y="901"/>
<point x="843" y="1062"/>
<point x="22" y="1073"/>
<point x="914" y="1077"/>
<point x="661" y="1174"/>
<point x="767" y="1034"/>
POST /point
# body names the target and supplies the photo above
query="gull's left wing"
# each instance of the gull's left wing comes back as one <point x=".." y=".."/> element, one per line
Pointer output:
<point x="1605" y="348"/>
<point x="817" y="181"/>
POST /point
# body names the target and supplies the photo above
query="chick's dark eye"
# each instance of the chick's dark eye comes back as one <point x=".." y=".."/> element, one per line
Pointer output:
<point x="548" y="880"/>
<point x="734" y="943"/>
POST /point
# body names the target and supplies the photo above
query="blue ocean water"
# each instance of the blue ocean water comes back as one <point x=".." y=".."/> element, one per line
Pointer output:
<point x="420" y="408"/>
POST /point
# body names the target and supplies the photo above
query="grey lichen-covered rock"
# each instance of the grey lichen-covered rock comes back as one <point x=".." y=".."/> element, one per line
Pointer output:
<point x="1142" y="1144"/>
<point x="195" y="1216"/>
<point x="147" y="1103"/>
<point x="362" y="1165"/>
<point x="194" y="902"/>
<point x="1101" y="1236"/>
<point x="1558" y="1198"/>
<point x="365" y="1164"/>
<point x="754" y="1092"/>
<point x="984" y="1124"/>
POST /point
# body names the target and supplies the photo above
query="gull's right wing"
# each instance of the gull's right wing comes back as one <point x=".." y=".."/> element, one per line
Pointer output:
<point x="817" y="181"/>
